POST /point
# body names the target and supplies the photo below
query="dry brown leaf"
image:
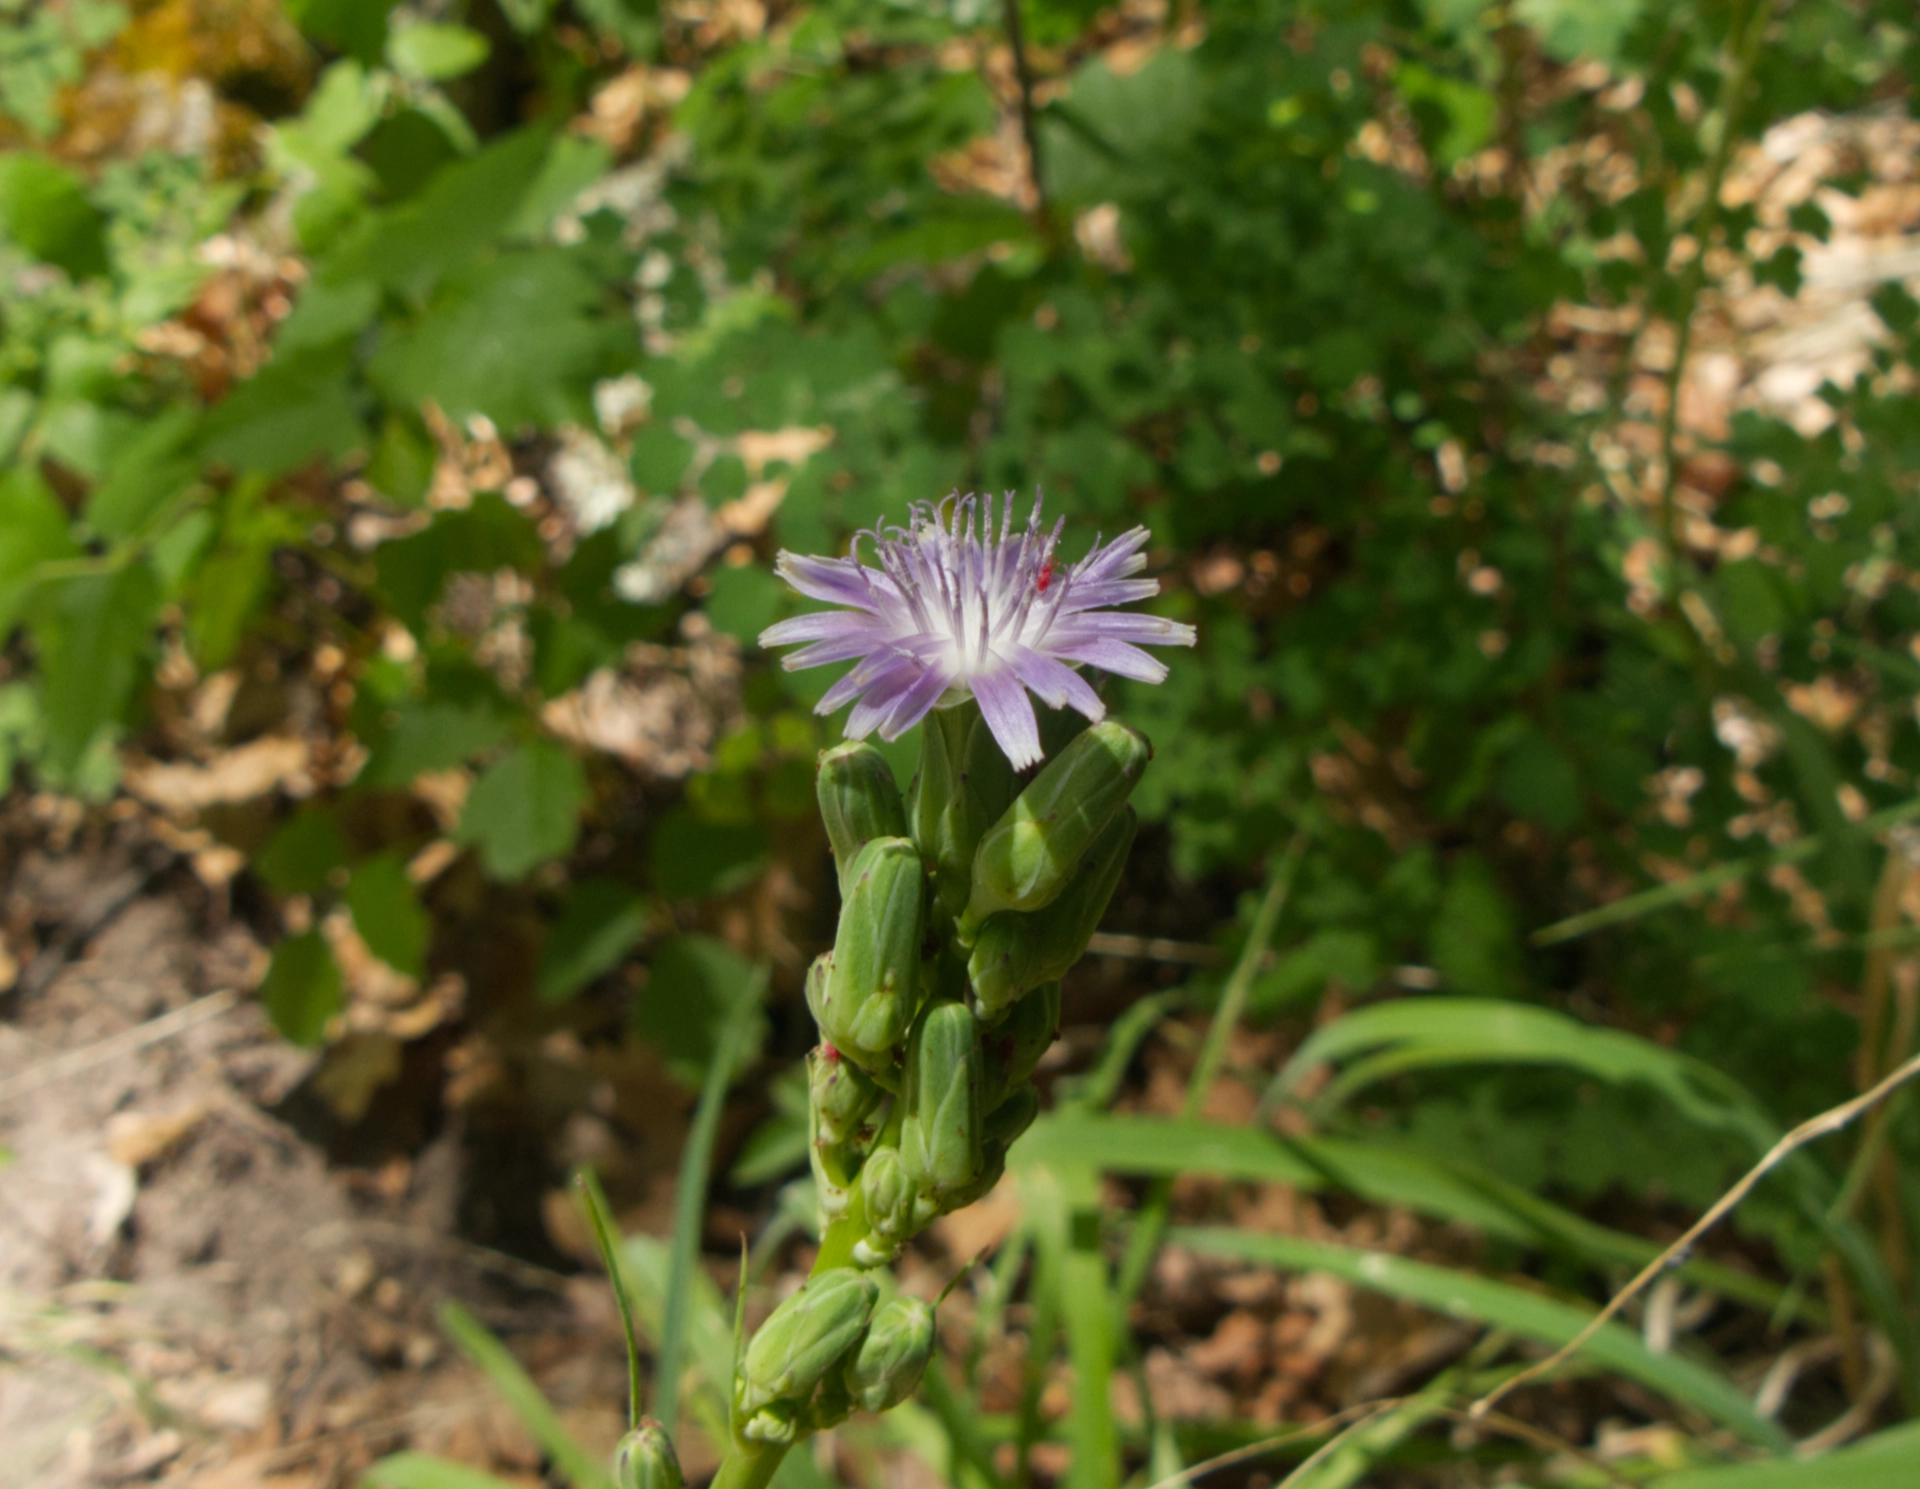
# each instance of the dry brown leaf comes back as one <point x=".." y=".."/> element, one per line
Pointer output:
<point x="138" y="1138"/>
<point x="250" y="771"/>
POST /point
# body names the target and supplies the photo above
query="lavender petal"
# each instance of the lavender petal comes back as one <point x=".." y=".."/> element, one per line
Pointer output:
<point x="1054" y="683"/>
<point x="1112" y="656"/>
<point x="1009" y="714"/>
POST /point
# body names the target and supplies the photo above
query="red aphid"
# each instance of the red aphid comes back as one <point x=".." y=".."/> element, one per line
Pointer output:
<point x="1046" y="575"/>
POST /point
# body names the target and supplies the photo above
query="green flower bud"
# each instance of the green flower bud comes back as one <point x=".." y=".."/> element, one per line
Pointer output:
<point x="858" y="801"/>
<point x="1014" y="953"/>
<point x="886" y="1369"/>
<point x="888" y="1191"/>
<point x="963" y="787"/>
<point x="839" y="1095"/>
<point x="940" y="1139"/>
<point x="866" y="999"/>
<point x="1013" y="1049"/>
<point x="1029" y="856"/>
<point x="833" y="1171"/>
<point x="802" y="1340"/>
<point x="1013" y="1116"/>
<point x="645" y="1459"/>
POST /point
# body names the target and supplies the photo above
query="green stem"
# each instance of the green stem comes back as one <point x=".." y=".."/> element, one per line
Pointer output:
<point x="749" y="1466"/>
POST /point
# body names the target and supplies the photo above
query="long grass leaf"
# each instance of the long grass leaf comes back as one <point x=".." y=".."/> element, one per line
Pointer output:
<point x="424" y="1471"/>
<point x="1501" y="1305"/>
<point x="478" y="1343"/>
<point x="1890" y="1460"/>
<point x="646" y="1262"/>
<point x="690" y="1198"/>
<point x="1661" y="897"/>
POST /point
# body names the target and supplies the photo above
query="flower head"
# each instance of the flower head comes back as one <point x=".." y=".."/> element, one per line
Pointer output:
<point x="953" y="609"/>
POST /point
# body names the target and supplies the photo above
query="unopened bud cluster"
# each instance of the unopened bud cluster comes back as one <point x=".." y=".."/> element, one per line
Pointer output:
<point x="962" y="905"/>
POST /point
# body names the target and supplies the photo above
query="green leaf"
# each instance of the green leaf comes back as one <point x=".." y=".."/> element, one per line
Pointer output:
<point x="523" y="1397"/>
<point x="435" y="52"/>
<point x="302" y="989"/>
<point x="1500" y="1305"/>
<point x="1573" y="29"/>
<point x="603" y="921"/>
<point x="33" y="531"/>
<point x="424" y="1471"/>
<point x="488" y="535"/>
<point x="298" y="406"/>
<point x="144" y="475"/>
<point x="90" y="632"/>
<point x="519" y="340"/>
<point x="357" y="27"/>
<point x="692" y="994"/>
<point x="744" y="601"/>
<point x="300" y="858"/>
<point x="388" y="915"/>
<point x="430" y="736"/>
<point x="693" y="858"/>
<point x="525" y="809"/>
<point x="1887" y="1460"/>
<point x="1437" y="1033"/>
<point x="44" y="208"/>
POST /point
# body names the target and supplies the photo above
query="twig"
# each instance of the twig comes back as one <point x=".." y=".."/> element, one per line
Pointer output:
<point x="1268" y="1444"/>
<point x="1029" y="125"/>
<point x="1742" y="40"/>
<point x="153" y="1031"/>
<point x="1826" y="1122"/>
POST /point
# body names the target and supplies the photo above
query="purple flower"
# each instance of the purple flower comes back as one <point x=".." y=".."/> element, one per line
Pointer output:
<point x="953" y="610"/>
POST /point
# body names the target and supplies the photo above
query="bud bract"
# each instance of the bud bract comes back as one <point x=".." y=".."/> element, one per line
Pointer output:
<point x="803" y="1339"/>
<point x="858" y="801"/>
<point x="839" y="1095"/>
<point x="1013" y="1047"/>
<point x="645" y="1459"/>
<point x="887" y="1368"/>
<point x="1013" y="1116"/>
<point x="865" y="996"/>
<point x="993" y="1164"/>
<point x="940" y="1138"/>
<point x="964" y="786"/>
<point x="887" y="1193"/>
<point x="1027" y="859"/>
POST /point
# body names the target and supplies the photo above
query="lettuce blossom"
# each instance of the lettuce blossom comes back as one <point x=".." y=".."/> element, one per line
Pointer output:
<point x="951" y="609"/>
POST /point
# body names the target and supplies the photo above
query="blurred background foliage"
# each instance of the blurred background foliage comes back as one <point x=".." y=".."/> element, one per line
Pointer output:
<point x="401" y="406"/>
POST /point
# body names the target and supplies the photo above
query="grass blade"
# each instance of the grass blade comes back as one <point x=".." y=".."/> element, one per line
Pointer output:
<point x="690" y="1199"/>
<point x="1890" y="1460"/>
<point x="1500" y="1305"/>
<point x="1663" y="896"/>
<point x="424" y="1471"/>
<point x="516" y="1388"/>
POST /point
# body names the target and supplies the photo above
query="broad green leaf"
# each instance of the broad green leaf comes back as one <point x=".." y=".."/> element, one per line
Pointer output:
<point x="488" y="535"/>
<point x="691" y="996"/>
<point x="434" y="51"/>
<point x="525" y="809"/>
<point x="388" y="915"/>
<point x="1574" y="29"/>
<point x="33" y="531"/>
<point x="602" y="921"/>
<point x="518" y="340"/>
<point x="430" y="736"/>
<point x="44" y="208"/>
<point x="302" y="990"/>
<point x="693" y="858"/>
<point x="298" y="406"/>
<point x="152" y="469"/>
<point x="90" y="632"/>
<point x="300" y="858"/>
<point x="1499" y="1305"/>
<point x="523" y="1397"/>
